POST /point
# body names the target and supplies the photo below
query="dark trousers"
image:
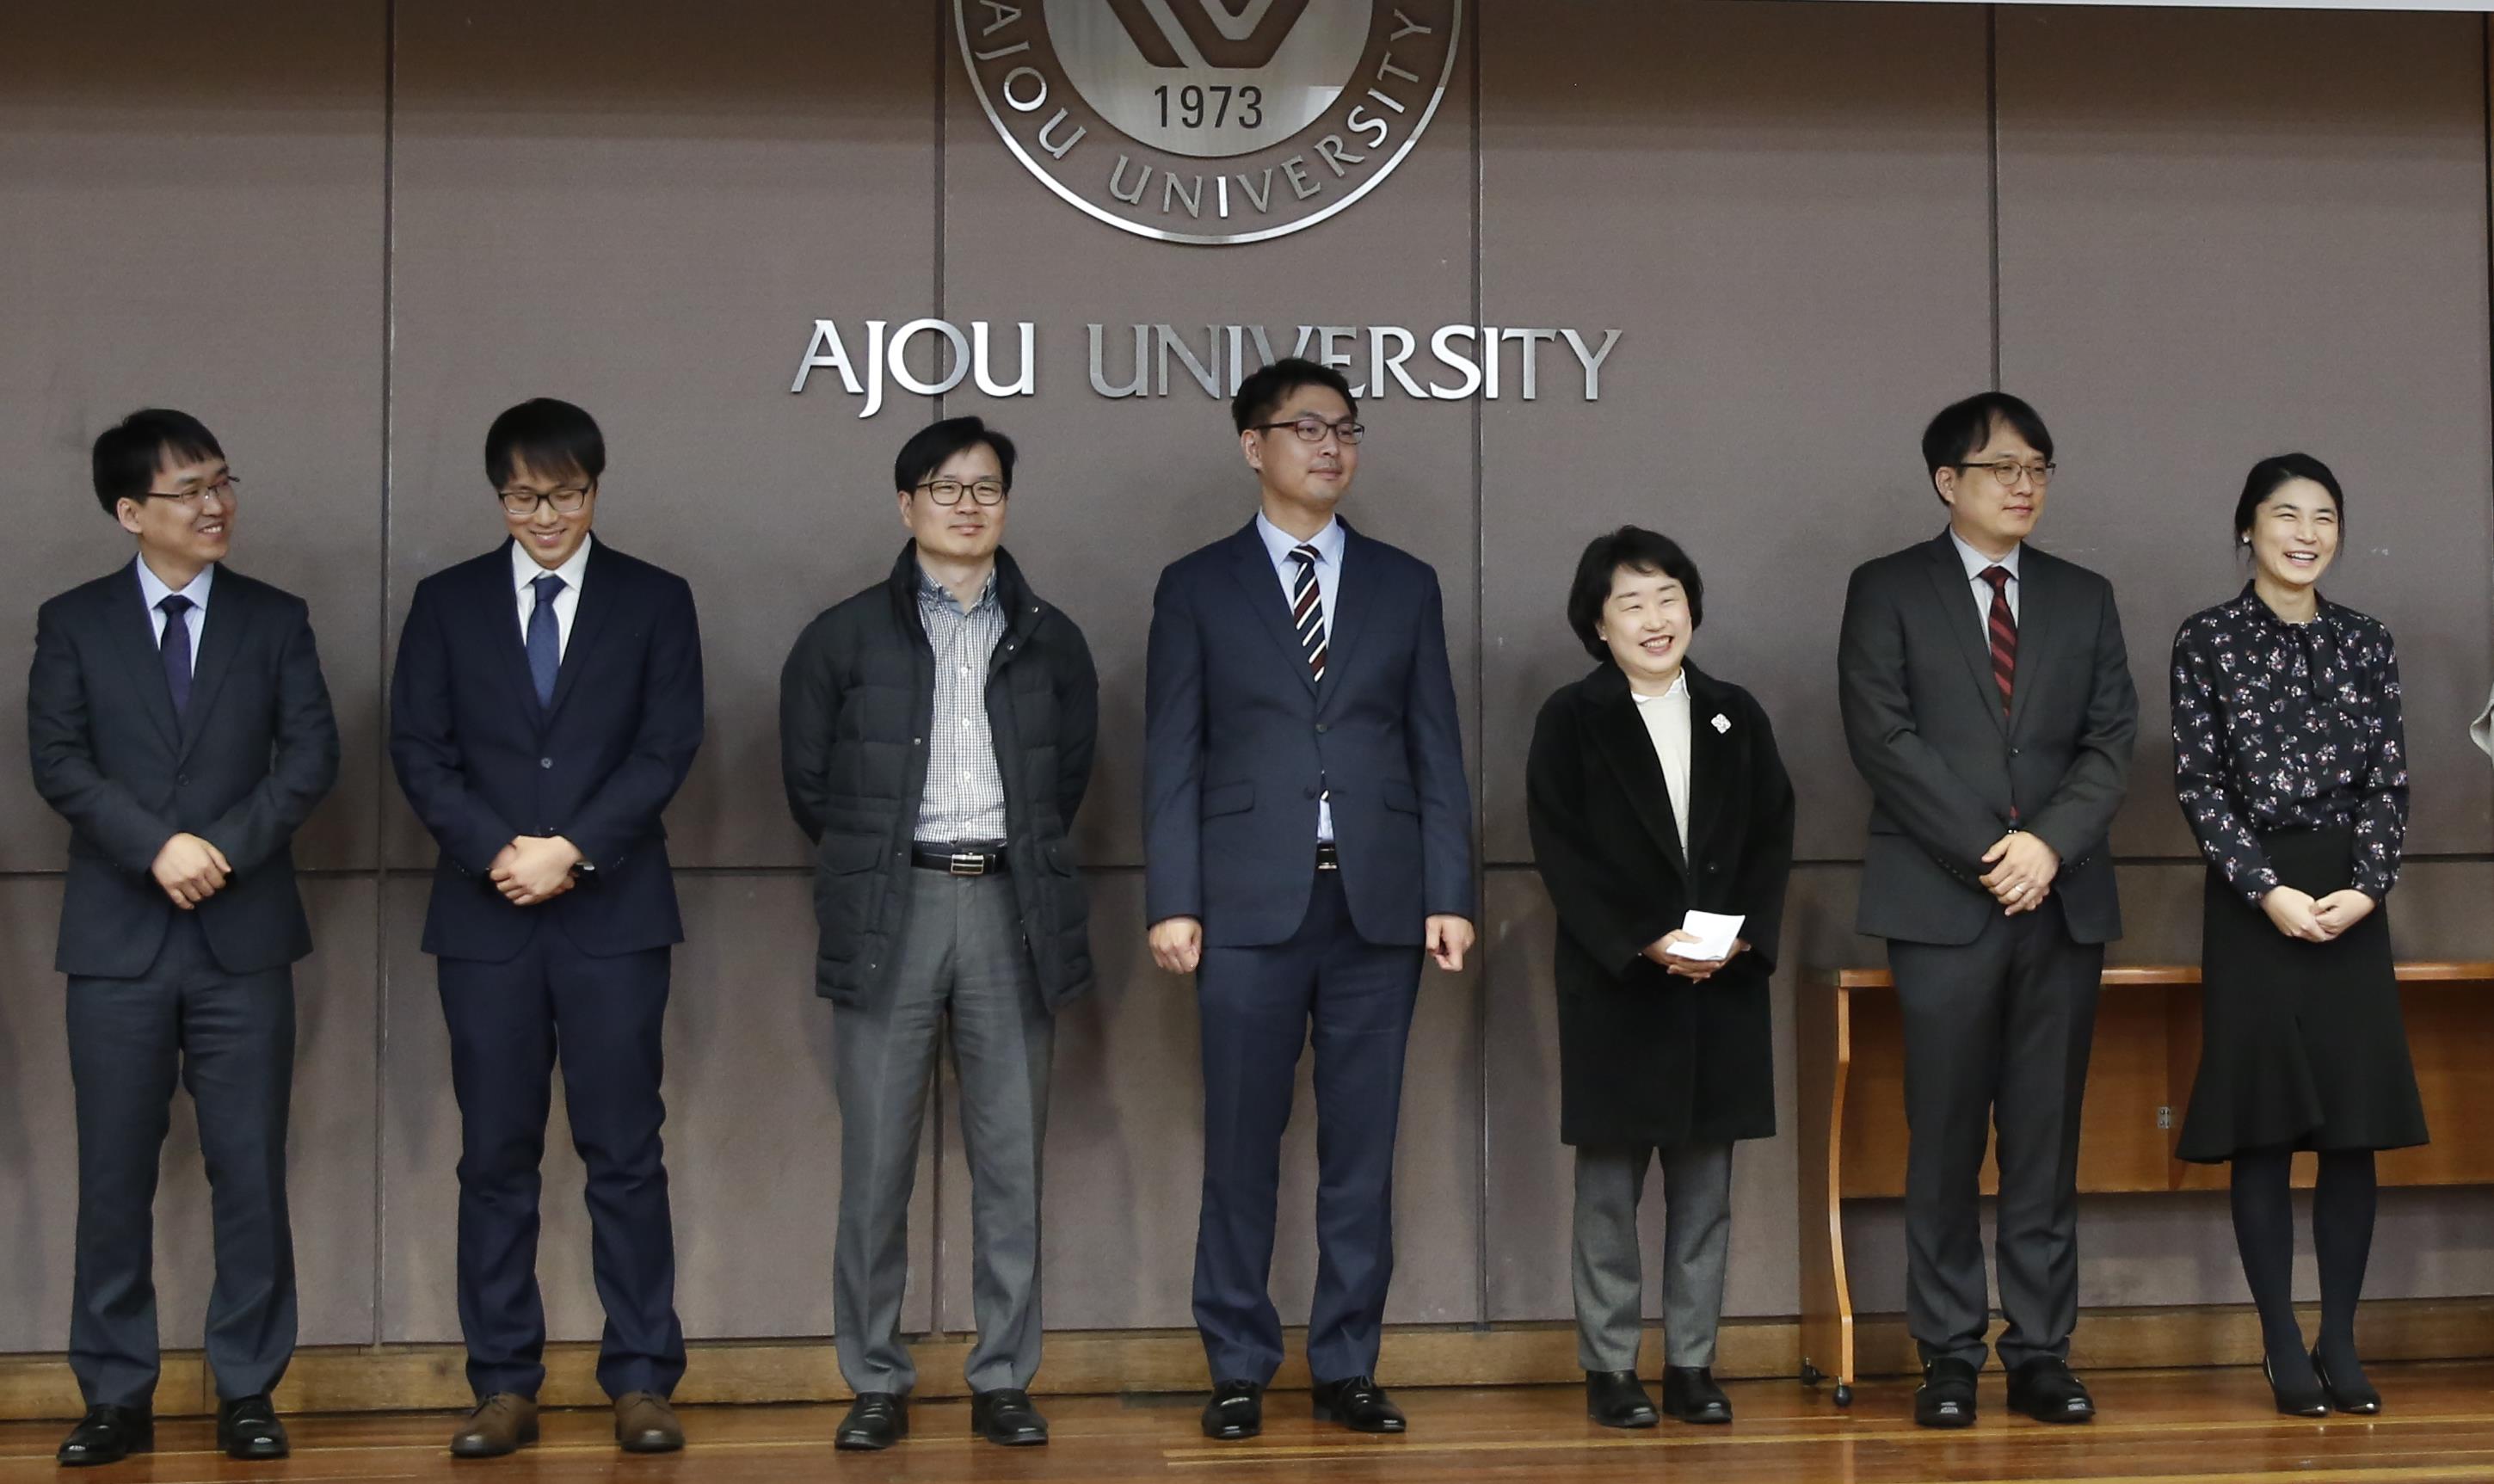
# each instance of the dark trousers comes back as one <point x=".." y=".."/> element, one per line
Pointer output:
<point x="1997" y="1033"/>
<point x="1258" y="1006"/>
<point x="508" y="1022"/>
<point x="229" y="1040"/>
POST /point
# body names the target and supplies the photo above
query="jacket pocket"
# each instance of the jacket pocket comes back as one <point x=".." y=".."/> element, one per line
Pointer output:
<point x="1399" y="795"/>
<point x="1229" y="799"/>
<point x="845" y="854"/>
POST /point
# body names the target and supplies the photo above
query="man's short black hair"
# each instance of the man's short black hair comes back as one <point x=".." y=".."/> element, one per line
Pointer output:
<point x="2278" y="469"/>
<point x="1260" y="395"/>
<point x="129" y="453"/>
<point x="931" y="446"/>
<point x="551" y="437"/>
<point x="1639" y="550"/>
<point x="1963" y="427"/>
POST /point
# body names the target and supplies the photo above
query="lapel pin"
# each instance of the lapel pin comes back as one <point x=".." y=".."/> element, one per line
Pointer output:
<point x="1723" y="723"/>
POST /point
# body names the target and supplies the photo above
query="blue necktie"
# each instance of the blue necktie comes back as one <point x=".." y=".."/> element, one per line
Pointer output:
<point x="177" y="648"/>
<point x="545" y="638"/>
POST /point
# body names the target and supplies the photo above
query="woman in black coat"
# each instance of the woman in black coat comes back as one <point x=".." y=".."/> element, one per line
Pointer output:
<point x="1654" y="790"/>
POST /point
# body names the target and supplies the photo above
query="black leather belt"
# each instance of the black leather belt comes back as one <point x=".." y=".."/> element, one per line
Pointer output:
<point x="958" y="859"/>
<point x="1328" y="858"/>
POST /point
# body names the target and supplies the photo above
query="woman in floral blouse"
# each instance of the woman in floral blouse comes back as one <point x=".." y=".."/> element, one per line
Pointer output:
<point x="2288" y="760"/>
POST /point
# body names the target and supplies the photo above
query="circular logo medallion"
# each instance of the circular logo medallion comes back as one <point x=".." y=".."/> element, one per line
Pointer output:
<point x="1210" y="121"/>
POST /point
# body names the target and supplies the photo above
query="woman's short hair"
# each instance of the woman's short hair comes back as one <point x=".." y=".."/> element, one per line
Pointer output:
<point x="2279" y="470"/>
<point x="1639" y="550"/>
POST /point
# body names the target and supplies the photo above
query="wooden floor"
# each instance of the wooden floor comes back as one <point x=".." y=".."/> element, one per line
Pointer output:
<point x="2193" y="1427"/>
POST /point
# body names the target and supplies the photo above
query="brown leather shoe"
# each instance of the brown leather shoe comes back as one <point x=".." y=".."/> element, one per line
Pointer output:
<point x="643" y="1423"/>
<point x="505" y="1422"/>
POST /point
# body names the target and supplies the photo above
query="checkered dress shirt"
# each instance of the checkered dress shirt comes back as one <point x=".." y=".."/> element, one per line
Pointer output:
<point x="965" y="799"/>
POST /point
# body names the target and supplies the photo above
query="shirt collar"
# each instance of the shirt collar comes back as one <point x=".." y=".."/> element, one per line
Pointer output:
<point x="525" y="569"/>
<point x="1975" y="560"/>
<point x="930" y="591"/>
<point x="1279" y="543"/>
<point x="1679" y="692"/>
<point x="153" y="588"/>
<point x="2325" y="612"/>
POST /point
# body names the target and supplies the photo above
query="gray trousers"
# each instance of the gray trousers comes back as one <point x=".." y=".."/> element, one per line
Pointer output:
<point x="961" y="960"/>
<point x="1610" y="1277"/>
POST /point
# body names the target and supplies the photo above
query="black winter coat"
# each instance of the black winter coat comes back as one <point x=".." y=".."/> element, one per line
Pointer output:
<point x="856" y="698"/>
<point x="1646" y="1058"/>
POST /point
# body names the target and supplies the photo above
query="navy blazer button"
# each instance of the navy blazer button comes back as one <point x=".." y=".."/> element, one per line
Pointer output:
<point x="1321" y="726"/>
<point x="545" y="761"/>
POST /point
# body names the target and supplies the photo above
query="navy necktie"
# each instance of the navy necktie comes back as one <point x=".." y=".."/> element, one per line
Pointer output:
<point x="175" y="646"/>
<point x="545" y="638"/>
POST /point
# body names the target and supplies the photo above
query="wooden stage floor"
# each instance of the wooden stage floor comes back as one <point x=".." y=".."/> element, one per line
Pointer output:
<point x="2191" y="1427"/>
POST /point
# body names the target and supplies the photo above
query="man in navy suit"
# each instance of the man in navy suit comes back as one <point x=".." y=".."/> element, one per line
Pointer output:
<point x="1307" y="833"/>
<point x="547" y="705"/>
<point x="177" y="719"/>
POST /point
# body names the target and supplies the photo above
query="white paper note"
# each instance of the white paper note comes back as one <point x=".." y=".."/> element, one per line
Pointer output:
<point x="1714" y="932"/>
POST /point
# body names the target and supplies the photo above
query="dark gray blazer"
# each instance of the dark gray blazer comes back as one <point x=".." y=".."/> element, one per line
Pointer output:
<point x="1948" y="772"/>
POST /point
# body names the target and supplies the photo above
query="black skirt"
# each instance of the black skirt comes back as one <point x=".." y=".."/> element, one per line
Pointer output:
<point x="2301" y="1044"/>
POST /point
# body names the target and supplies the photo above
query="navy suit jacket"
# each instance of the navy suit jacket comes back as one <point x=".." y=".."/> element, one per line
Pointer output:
<point x="1239" y="742"/>
<point x="484" y="762"/>
<point x="241" y="768"/>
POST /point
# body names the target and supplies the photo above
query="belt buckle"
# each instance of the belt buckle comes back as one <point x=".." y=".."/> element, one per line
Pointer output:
<point x="968" y="863"/>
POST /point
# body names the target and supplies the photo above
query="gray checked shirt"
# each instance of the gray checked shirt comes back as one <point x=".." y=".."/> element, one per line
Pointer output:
<point x="965" y="799"/>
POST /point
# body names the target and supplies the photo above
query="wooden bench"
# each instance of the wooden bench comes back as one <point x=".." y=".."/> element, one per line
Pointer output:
<point x="1850" y="1075"/>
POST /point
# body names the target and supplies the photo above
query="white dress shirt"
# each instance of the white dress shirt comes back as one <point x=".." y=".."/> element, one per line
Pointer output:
<point x="1975" y="562"/>
<point x="525" y="572"/>
<point x="196" y="619"/>
<point x="1666" y="723"/>
<point x="1329" y="542"/>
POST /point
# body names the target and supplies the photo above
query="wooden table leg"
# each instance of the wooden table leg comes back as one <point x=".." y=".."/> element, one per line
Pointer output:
<point x="1823" y="1016"/>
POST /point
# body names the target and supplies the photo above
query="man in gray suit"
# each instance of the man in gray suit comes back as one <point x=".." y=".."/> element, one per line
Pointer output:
<point x="1987" y="700"/>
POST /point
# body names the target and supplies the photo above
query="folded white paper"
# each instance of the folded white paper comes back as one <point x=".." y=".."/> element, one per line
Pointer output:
<point x="1714" y="932"/>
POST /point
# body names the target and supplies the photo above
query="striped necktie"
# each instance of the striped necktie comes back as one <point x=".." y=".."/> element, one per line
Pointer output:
<point x="1307" y="610"/>
<point x="2003" y="627"/>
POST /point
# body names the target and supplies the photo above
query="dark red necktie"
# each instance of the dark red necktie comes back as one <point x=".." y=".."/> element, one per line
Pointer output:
<point x="2003" y="627"/>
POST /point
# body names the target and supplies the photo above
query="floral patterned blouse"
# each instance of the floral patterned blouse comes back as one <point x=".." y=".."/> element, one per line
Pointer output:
<point x="2284" y="726"/>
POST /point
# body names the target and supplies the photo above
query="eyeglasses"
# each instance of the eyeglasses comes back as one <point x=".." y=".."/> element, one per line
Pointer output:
<point x="2007" y="471"/>
<point x="227" y="487"/>
<point x="567" y="501"/>
<point x="1312" y="430"/>
<point x="948" y="491"/>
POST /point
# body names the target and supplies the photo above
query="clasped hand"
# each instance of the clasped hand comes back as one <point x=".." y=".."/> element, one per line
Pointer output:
<point x="534" y="869"/>
<point x="2298" y="915"/>
<point x="1694" y="970"/>
<point x="191" y="870"/>
<point x="2022" y="868"/>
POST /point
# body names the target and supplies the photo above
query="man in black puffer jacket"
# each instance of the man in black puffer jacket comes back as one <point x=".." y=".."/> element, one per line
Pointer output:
<point x="935" y="737"/>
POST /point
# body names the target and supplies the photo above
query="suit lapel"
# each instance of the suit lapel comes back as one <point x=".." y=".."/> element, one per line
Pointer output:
<point x="1352" y="602"/>
<point x="1713" y="758"/>
<point x="2037" y="587"/>
<point x="498" y="607"/>
<point x="134" y="632"/>
<point x="589" y="623"/>
<point x="1253" y="568"/>
<point x="218" y="644"/>
<point x="1619" y="732"/>
<point x="1962" y="620"/>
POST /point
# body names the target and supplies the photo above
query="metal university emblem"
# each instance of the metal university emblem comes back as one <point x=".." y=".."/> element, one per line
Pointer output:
<point x="1210" y="121"/>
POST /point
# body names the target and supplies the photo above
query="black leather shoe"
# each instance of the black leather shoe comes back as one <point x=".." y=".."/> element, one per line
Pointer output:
<point x="1358" y="1404"/>
<point x="1946" y="1396"/>
<point x="2298" y="1395"/>
<point x="1689" y="1394"/>
<point x="2043" y="1389"/>
<point x="1614" y="1399"/>
<point x="1236" y="1410"/>
<point x="2348" y="1389"/>
<point x="876" y="1419"/>
<point x="247" y="1427"/>
<point x="1006" y="1418"/>
<point x="107" y="1435"/>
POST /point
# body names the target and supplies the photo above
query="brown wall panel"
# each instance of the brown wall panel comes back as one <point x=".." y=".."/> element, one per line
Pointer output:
<point x="206" y="236"/>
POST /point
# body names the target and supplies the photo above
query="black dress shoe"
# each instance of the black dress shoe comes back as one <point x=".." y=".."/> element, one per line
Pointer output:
<point x="1358" y="1404"/>
<point x="2043" y="1389"/>
<point x="1236" y="1410"/>
<point x="876" y="1419"/>
<point x="247" y="1427"/>
<point x="1689" y="1394"/>
<point x="107" y="1435"/>
<point x="1006" y="1418"/>
<point x="1614" y="1399"/>
<point x="1946" y="1396"/>
<point x="2348" y="1389"/>
<point x="2300" y="1395"/>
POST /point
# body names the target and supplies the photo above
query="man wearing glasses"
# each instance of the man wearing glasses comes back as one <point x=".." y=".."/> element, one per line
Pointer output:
<point x="1307" y="837"/>
<point x="177" y="719"/>
<point x="1987" y="700"/>
<point x="935" y="737"/>
<point x="547" y="705"/>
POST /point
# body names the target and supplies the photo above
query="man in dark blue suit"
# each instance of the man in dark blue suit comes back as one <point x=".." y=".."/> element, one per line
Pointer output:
<point x="1307" y="833"/>
<point x="547" y="705"/>
<point x="177" y="719"/>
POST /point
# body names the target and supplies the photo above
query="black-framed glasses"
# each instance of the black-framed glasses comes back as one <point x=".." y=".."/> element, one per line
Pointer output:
<point x="2007" y="470"/>
<point x="227" y="487"/>
<point x="949" y="491"/>
<point x="567" y="501"/>
<point x="1312" y="430"/>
